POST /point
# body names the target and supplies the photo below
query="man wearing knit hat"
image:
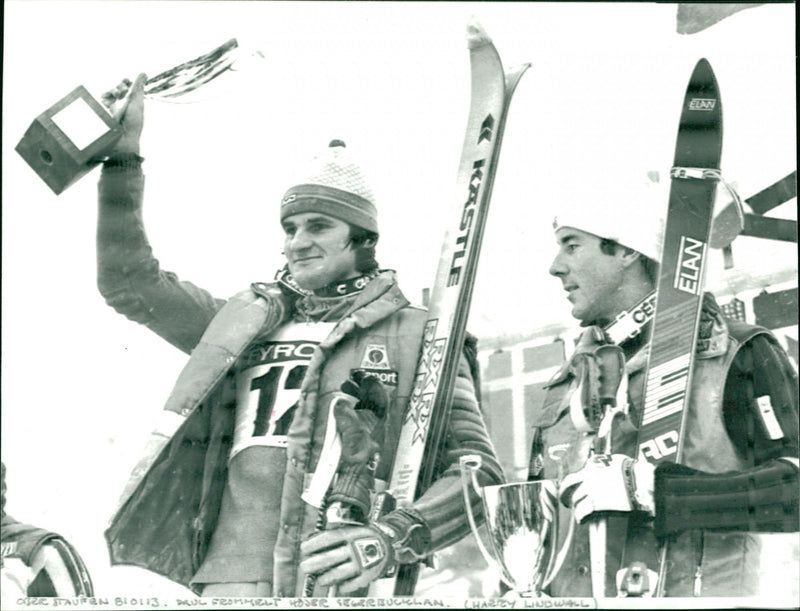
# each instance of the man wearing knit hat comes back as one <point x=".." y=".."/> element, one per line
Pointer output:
<point x="739" y="465"/>
<point x="218" y="502"/>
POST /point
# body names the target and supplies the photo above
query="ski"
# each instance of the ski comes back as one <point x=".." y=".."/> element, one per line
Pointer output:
<point x="444" y="332"/>
<point x="679" y="293"/>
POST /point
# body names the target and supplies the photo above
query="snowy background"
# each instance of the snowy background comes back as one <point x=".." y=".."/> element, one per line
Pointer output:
<point x="81" y="386"/>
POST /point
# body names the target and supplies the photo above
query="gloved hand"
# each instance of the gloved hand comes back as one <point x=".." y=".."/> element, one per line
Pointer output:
<point x="369" y="391"/>
<point x="609" y="482"/>
<point x="361" y="430"/>
<point x="126" y="104"/>
<point x="351" y="556"/>
<point x="357" y="424"/>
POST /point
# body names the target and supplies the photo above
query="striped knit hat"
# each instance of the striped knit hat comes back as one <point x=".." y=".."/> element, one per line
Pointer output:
<point x="336" y="186"/>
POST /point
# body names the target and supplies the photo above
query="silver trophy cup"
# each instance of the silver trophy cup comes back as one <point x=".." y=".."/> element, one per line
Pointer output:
<point x="522" y="521"/>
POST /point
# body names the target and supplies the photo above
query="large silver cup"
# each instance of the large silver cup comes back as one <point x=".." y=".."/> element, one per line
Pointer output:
<point x="522" y="521"/>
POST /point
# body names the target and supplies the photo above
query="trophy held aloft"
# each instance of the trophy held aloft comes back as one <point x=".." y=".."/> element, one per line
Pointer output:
<point x="76" y="133"/>
<point x="69" y="139"/>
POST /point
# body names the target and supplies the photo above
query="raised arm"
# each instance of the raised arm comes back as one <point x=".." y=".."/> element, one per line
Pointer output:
<point x="128" y="275"/>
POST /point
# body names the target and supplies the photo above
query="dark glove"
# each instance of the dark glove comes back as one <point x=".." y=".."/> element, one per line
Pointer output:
<point x="369" y="391"/>
<point x="360" y="427"/>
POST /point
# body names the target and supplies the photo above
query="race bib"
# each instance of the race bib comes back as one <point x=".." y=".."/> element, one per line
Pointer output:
<point x="268" y="382"/>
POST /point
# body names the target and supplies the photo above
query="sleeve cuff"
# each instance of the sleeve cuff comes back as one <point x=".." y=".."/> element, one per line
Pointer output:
<point x="411" y="537"/>
<point x="123" y="162"/>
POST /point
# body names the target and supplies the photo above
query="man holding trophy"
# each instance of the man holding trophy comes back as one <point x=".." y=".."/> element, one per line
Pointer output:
<point x="739" y="470"/>
<point x="218" y="501"/>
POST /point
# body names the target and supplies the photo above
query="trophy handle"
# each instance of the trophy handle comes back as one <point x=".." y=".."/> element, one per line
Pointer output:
<point x="469" y="465"/>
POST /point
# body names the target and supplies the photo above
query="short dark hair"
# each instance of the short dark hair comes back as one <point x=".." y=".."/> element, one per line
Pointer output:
<point x="610" y="247"/>
<point x="364" y="242"/>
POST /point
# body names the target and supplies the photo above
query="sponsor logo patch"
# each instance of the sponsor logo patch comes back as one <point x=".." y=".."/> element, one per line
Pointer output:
<point x="375" y="357"/>
<point x="385" y="376"/>
<point x="369" y="551"/>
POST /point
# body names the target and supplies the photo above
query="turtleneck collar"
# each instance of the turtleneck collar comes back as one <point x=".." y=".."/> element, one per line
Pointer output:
<point x="332" y="302"/>
<point x="313" y="308"/>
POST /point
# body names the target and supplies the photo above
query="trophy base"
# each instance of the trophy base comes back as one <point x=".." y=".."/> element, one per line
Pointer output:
<point x="68" y="139"/>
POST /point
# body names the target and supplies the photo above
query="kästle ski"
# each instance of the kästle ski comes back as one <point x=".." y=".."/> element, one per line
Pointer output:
<point x="694" y="175"/>
<point x="444" y="332"/>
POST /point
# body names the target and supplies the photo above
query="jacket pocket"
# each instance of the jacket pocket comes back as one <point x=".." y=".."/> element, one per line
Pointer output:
<point x="555" y="403"/>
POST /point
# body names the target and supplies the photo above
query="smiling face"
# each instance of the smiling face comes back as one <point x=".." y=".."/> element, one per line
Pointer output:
<point x="594" y="281"/>
<point x="318" y="250"/>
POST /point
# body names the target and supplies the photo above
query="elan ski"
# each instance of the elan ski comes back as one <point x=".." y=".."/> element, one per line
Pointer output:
<point x="679" y="293"/>
<point x="448" y="308"/>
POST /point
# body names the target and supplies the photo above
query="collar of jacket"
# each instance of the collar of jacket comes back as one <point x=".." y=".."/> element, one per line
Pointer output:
<point x="712" y="341"/>
<point x="380" y="299"/>
<point x="241" y="318"/>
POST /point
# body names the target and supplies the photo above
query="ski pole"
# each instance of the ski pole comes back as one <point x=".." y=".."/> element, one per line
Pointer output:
<point x="612" y="366"/>
<point x="322" y="480"/>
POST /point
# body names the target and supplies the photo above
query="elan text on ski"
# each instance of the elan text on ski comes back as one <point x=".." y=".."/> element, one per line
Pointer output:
<point x="692" y="258"/>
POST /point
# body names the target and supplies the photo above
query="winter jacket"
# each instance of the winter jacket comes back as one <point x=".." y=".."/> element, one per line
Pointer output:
<point x="170" y="506"/>
<point x="700" y="563"/>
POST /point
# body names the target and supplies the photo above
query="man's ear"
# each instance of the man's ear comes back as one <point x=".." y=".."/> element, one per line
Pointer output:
<point x="628" y="256"/>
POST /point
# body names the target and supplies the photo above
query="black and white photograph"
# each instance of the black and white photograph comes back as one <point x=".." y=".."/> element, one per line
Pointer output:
<point x="399" y="304"/>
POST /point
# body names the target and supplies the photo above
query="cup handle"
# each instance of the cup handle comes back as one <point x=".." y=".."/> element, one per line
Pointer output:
<point x="469" y="464"/>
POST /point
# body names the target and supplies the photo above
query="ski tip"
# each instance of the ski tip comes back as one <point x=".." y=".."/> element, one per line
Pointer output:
<point x="703" y="72"/>
<point x="703" y="64"/>
<point x="476" y="35"/>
